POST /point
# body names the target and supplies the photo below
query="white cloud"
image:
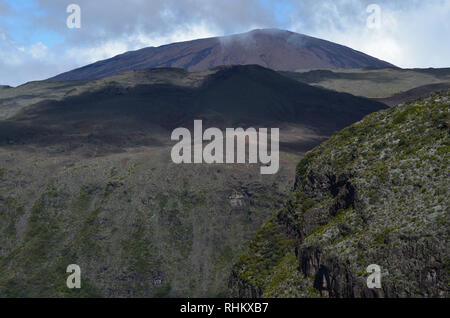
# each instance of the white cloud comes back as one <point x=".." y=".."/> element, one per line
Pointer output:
<point x="409" y="36"/>
<point x="37" y="61"/>
<point x="38" y="50"/>
<point x="102" y="51"/>
<point x="110" y="48"/>
<point x="185" y="33"/>
<point x="412" y="33"/>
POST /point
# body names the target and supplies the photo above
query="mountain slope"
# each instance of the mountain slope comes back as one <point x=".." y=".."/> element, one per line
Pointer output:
<point x="271" y="48"/>
<point x="390" y="85"/>
<point x="377" y="192"/>
<point x="414" y="93"/>
<point x="127" y="109"/>
<point x="86" y="178"/>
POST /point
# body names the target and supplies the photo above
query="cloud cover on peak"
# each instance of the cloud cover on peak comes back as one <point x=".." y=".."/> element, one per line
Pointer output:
<point x="36" y="43"/>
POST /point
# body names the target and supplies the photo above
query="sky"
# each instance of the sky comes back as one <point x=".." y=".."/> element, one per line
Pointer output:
<point x="36" y="42"/>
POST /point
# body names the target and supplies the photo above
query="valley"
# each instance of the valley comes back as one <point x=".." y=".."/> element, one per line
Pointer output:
<point x="87" y="176"/>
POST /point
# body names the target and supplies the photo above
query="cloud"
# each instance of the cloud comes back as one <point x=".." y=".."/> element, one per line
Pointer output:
<point x="38" y="50"/>
<point x="135" y="41"/>
<point x="111" y="27"/>
<point x="155" y="18"/>
<point x="410" y="35"/>
<point x="36" y="44"/>
<point x="19" y="63"/>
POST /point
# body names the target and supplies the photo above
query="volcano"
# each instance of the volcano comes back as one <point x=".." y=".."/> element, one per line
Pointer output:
<point x="271" y="48"/>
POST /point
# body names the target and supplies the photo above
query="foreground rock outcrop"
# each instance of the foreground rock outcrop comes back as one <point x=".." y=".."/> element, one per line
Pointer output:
<point x="375" y="193"/>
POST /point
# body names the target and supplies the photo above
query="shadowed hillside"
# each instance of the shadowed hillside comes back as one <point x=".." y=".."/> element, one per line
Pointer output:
<point x="126" y="112"/>
<point x="87" y="178"/>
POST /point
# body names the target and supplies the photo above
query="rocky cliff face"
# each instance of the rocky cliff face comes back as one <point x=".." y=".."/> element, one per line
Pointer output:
<point x="375" y="193"/>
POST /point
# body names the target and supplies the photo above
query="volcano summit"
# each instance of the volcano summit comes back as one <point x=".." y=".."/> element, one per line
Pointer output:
<point x="271" y="48"/>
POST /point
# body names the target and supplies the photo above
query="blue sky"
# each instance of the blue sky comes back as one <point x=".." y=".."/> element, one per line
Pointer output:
<point x="21" y="27"/>
<point x="35" y="42"/>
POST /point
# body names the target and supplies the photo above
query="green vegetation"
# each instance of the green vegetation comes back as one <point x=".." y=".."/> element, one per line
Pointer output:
<point x="267" y="249"/>
<point x="374" y="193"/>
<point x="152" y="229"/>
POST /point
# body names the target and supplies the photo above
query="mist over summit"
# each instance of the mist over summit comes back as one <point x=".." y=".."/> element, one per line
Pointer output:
<point x="271" y="48"/>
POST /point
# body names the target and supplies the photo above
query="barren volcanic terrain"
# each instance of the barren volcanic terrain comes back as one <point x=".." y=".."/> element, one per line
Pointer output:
<point x="271" y="48"/>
